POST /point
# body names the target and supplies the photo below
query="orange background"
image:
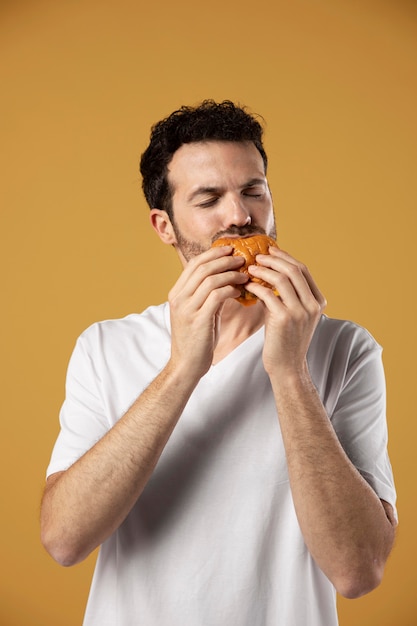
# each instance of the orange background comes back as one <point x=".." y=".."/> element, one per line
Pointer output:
<point x="81" y="83"/>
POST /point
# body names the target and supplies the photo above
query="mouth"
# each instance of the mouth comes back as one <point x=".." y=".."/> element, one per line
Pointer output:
<point x="239" y="233"/>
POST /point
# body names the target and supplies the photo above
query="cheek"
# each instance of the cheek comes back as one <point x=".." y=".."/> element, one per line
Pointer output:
<point x="265" y="217"/>
<point x="195" y="229"/>
<point x="202" y="226"/>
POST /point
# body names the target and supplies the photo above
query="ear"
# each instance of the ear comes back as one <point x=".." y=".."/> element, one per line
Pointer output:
<point x="161" y="224"/>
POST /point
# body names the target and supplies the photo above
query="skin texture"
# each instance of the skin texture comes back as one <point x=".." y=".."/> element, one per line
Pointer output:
<point x="220" y="189"/>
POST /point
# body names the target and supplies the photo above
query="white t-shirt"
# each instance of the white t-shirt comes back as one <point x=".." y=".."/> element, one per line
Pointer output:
<point x="214" y="539"/>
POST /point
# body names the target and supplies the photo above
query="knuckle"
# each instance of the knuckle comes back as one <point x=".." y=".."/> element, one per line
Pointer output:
<point x="172" y="299"/>
<point x="200" y="271"/>
<point x="210" y="282"/>
<point x="301" y="316"/>
<point x="315" y="307"/>
<point x="294" y="269"/>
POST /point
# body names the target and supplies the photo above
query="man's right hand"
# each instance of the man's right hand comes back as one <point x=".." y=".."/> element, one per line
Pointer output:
<point x="196" y="302"/>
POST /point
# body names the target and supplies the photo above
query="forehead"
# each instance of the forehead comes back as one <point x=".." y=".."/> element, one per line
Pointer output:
<point x="214" y="163"/>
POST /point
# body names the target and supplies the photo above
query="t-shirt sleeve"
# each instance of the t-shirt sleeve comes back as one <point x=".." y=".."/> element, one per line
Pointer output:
<point x="359" y="419"/>
<point x="82" y="418"/>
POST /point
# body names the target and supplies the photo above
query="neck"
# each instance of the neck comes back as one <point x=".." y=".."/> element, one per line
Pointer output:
<point x="238" y="322"/>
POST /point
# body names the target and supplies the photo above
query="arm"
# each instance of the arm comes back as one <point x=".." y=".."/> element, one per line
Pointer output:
<point x="344" y="523"/>
<point x="82" y="506"/>
<point x="85" y="504"/>
<point x="347" y="528"/>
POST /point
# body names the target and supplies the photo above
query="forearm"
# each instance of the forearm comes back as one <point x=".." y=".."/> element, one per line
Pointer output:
<point x="342" y="520"/>
<point x="85" y="504"/>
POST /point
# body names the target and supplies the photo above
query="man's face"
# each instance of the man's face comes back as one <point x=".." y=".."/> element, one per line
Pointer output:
<point x="219" y="189"/>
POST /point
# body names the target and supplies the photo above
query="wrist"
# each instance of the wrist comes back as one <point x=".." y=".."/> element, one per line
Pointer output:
<point x="291" y="379"/>
<point x="288" y="372"/>
<point x="179" y="375"/>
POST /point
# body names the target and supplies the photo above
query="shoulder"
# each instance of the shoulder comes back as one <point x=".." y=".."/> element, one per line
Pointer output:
<point x="345" y="358"/>
<point x="345" y="335"/>
<point x="340" y="347"/>
<point x="154" y="318"/>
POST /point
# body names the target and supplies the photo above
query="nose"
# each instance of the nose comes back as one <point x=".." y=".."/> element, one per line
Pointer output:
<point x="236" y="214"/>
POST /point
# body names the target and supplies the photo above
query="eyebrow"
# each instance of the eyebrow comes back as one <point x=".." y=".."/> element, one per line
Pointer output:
<point x="200" y="191"/>
<point x="253" y="182"/>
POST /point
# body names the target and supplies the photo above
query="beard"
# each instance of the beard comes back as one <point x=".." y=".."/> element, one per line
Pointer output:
<point x="190" y="249"/>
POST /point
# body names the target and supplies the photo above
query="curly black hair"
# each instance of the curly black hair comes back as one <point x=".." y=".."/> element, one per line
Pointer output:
<point x="223" y="121"/>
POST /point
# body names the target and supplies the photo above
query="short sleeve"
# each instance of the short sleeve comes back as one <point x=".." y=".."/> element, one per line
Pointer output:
<point x="83" y="421"/>
<point x="359" y="419"/>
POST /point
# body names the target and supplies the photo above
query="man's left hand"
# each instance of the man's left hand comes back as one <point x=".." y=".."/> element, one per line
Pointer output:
<point x="290" y="317"/>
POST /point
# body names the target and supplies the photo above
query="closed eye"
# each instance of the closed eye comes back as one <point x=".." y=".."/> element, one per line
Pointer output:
<point x="208" y="203"/>
<point x="253" y="192"/>
<point x="254" y="188"/>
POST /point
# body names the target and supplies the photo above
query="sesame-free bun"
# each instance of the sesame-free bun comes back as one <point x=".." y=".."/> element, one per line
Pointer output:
<point x="248" y="248"/>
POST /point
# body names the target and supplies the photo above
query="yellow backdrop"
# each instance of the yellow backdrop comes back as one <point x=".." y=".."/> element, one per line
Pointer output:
<point x="81" y="83"/>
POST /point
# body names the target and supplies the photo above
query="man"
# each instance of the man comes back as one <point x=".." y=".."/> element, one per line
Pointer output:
<point x="230" y="461"/>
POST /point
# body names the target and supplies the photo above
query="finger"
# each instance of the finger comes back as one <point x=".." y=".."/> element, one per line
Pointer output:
<point x="215" y="289"/>
<point x="208" y="255"/>
<point x="297" y="272"/>
<point x="215" y="260"/>
<point x="281" y="286"/>
<point x="287" y="279"/>
<point x="263" y="293"/>
<point x="278" y="253"/>
<point x="198" y="286"/>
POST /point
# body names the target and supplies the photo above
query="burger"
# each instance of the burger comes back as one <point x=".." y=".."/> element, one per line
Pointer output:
<point x="248" y="248"/>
